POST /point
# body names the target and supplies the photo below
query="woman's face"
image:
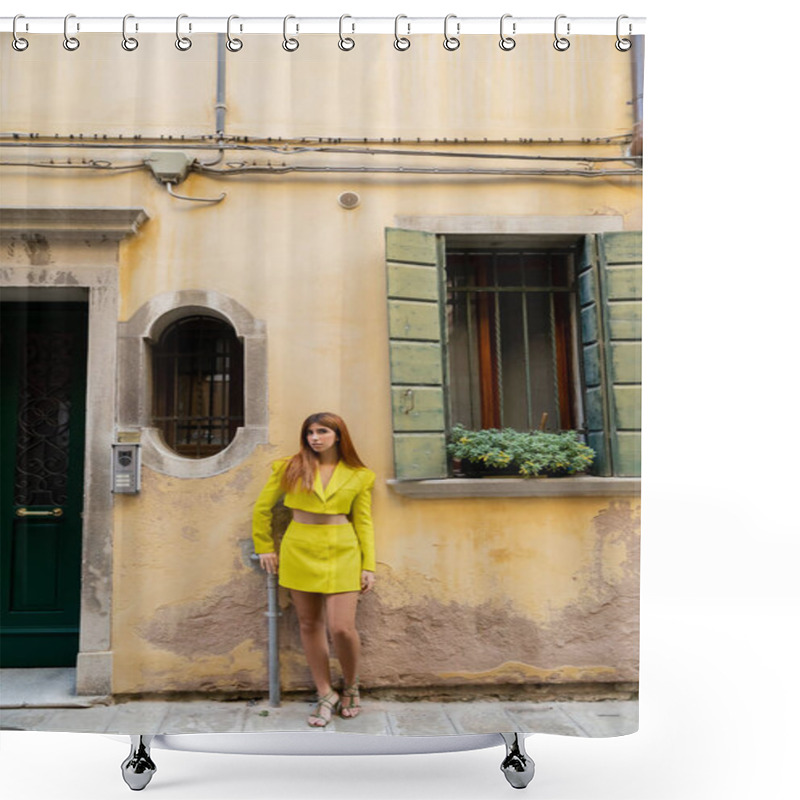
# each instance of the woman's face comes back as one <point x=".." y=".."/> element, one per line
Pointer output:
<point x="320" y="438"/>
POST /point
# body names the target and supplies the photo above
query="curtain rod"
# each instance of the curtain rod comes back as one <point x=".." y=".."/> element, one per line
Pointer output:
<point x="348" y="25"/>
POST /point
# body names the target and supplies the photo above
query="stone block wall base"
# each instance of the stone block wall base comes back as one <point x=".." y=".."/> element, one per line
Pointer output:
<point x="93" y="673"/>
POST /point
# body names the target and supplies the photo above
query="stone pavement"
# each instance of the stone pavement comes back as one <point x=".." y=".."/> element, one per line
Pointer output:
<point x="44" y="700"/>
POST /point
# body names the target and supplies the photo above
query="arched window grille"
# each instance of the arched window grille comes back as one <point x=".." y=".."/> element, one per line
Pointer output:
<point x="198" y="382"/>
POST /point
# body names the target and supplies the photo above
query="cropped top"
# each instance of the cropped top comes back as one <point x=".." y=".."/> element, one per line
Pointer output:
<point x="349" y="491"/>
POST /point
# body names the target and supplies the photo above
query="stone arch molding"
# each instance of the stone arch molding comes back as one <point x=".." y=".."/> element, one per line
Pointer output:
<point x="135" y="379"/>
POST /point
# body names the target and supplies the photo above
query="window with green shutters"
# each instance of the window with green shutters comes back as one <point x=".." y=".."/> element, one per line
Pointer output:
<point x="526" y="336"/>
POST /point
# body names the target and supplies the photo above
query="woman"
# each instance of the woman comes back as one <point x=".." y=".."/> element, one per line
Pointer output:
<point x="327" y="556"/>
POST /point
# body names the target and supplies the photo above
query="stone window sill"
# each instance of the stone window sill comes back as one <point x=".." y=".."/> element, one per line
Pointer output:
<point x="581" y="486"/>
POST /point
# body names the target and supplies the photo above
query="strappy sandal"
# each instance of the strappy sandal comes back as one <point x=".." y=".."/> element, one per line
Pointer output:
<point x="353" y="708"/>
<point x="326" y="708"/>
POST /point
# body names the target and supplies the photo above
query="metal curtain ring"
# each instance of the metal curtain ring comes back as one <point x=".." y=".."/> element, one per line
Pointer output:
<point x="289" y="45"/>
<point x="451" y="42"/>
<point x="561" y="44"/>
<point x="128" y="42"/>
<point x="182" y="42"/>
<point x="623" y="45"/>
<point x="70" y="42"/>
<point x="506" y="42"/>
<point x="345" y="42"/>
<point x="233" y="44"/>
<point x="18" y="43"/>
<point x="400" y="42"/>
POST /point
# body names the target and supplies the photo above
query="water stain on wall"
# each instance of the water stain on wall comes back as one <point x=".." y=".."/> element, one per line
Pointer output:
<point x="37" y="249"/>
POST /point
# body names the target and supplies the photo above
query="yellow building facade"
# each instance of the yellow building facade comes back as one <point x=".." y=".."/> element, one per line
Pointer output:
<point x="483" y="583"/>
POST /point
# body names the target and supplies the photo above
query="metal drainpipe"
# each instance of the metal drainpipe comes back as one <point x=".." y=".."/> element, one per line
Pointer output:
<point x="272" y="614"/>
<point x="219" y="107"/>
<point x="637" y="74"/>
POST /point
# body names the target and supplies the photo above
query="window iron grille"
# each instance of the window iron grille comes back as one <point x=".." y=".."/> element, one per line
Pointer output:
<point x="511" y="350"/>
<point x="198" y="386"/>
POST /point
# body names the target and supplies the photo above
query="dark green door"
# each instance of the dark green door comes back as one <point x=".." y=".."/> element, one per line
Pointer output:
<point x="43" y="393"/>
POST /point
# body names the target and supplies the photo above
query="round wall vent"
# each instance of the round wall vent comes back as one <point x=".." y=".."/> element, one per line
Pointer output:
<point x="349" y="200"/>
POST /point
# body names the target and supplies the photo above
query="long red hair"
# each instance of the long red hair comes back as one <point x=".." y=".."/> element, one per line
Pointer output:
<point x="303" y="465"/>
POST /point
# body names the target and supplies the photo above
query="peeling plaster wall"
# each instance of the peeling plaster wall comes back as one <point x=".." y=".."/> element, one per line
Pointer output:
<point x="469" y="594"/>
<point x="476" y="592"/>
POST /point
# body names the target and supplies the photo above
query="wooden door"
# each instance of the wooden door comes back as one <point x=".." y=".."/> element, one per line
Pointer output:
<point x="43" y="392"/>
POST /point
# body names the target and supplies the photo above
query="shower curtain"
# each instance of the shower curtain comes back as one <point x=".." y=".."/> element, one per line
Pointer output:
<point x="210" y="236"/>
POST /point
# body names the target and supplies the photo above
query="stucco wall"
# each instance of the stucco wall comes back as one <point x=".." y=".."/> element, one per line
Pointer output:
<point x="469" y="592"/>
<point x="475" y="591"/>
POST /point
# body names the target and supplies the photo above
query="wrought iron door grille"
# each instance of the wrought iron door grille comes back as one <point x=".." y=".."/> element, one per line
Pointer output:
<point x="43" y="419"/>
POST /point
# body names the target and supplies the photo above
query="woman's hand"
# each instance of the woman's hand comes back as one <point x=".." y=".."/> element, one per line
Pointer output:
<point x="367" y="581"/>
<point x="269" y="562"/>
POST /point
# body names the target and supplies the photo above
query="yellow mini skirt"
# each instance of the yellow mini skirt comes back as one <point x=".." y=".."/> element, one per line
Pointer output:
<point x="320" y="558"/>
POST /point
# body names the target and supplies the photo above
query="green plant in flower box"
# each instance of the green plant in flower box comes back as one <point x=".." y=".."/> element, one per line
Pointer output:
<point x="528" y="453"/>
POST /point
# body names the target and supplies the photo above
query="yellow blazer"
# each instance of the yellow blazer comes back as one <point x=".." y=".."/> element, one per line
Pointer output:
<point x="349" y="491"/>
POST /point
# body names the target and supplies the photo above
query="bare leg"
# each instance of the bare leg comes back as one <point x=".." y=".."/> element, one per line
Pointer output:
<point x="341" y="610"/>
<point x="310" y="608"/>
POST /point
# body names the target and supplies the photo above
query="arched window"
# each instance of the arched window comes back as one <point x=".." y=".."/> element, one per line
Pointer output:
<point x="198" y="385"/>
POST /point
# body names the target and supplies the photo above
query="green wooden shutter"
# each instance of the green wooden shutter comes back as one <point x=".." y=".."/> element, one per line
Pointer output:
<point x="414" y="276"/>
<point x="610" y="291"/>
<point x="594" y="363"/>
